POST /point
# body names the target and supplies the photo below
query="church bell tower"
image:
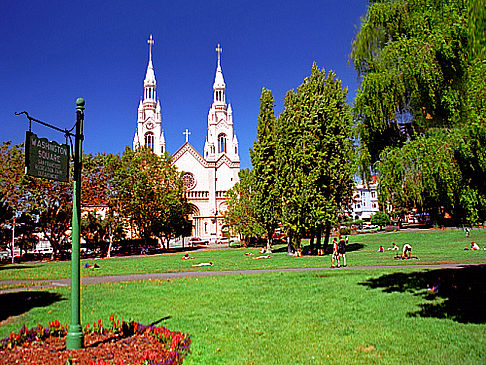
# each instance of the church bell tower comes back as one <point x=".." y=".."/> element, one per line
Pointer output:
<point x="149" y="124"/>
<point x="220" y="139"/>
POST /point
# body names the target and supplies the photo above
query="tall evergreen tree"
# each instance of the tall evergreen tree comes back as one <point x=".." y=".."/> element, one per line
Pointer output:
<point x="267" y="198"/>
<point x="315" y="155"/>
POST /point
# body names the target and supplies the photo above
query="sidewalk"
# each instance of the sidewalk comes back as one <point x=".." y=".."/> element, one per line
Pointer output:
<point x="189" y="274"/>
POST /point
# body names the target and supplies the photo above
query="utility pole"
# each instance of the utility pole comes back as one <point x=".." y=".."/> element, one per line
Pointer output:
<point x="74" y="338"/>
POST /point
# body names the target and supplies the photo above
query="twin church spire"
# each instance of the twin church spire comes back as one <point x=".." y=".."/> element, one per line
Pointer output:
<point x="220" y="139"/>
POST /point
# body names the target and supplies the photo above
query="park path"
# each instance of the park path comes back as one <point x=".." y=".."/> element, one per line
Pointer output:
<point x="90" y="280"/>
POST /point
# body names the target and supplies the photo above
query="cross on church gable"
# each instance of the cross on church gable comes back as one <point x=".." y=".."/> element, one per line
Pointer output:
<point x="187" y="133"/>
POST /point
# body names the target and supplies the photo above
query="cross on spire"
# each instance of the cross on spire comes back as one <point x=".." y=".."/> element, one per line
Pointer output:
<point x="187" y="133"/>
<point x="219" y="50"/>
<point x="150" y="42"/>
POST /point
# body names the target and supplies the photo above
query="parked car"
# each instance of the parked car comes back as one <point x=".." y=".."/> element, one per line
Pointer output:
<point x="198" y="241"/>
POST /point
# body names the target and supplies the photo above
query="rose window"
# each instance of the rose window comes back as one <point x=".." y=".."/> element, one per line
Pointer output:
<point x="189" y="180"/>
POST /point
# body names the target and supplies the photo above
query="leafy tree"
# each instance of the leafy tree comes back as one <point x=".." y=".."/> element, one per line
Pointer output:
<point x="97" y="189"/>
<point x="315" y="155"/>
<point x="266" y="197"/>
<point x="6" y="214"/>
<point x="422" y="91"/>
<point x="114" y="228"/>
<point x="380" y="219"/>
<point x="241" y="214"/>
<point x="150" y="193"/>
<point x="92" y="229"/>
<point x="46" y="202"/>
<point x="51" y="203"/>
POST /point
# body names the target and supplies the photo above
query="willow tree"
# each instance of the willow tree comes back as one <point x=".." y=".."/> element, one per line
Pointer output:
<point x="422" y="79"/>
<point x="314" y="155"/>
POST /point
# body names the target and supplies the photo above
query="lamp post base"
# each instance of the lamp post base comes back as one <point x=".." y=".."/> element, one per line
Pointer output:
<point x="75" y="338"/>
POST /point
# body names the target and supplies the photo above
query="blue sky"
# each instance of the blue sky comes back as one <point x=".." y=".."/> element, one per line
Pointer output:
<point x="56" y="51"/>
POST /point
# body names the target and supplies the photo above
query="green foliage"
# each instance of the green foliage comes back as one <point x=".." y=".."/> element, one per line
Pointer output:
<point x="266" y="198"/>
<point x="314" y="153"/>
<point x="380" y="219"/>
<point x="420" y="108"/>
<point x="150" y="193"/>
<point x="241" y="214"/>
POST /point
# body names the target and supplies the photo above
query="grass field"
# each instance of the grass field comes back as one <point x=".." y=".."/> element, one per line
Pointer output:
<point x="372" y="316"/>
<point x="429" y="246"/>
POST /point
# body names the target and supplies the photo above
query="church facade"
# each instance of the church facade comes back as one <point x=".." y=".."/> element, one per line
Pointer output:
<point x="207" y="176"/>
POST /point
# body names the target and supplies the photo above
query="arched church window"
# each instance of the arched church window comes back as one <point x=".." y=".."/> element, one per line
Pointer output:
<point x="149" y="140"/>
<point x="222" y="143"/>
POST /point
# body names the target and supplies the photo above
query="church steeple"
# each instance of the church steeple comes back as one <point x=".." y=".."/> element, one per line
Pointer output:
<point x="219" y="86"/>
<point x="149" y="124"/>
<point x="149" y="84"/>
<point x="220" y="140"/>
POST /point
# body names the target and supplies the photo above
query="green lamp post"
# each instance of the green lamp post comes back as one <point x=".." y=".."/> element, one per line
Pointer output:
<point x="74" y="339"/>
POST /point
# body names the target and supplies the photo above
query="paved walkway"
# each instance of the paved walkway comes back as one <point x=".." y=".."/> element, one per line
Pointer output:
<point x="53" y="283"/>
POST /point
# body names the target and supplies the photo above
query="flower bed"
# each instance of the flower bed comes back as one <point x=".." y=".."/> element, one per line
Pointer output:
<point x="121" y="343"/>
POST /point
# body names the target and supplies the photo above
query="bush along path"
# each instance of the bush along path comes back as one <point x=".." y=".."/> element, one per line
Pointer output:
<point x="121" y="343"/>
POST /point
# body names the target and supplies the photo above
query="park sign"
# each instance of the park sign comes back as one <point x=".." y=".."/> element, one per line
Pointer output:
<point x="46" y="159"/>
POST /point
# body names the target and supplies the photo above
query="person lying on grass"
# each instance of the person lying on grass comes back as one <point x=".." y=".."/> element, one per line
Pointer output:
<point x="261" y="257"/>
<point x="186" y="257"/>
<point x="394" y="248"/>
<point x="203" y="264"/>
<point x="474" y="246"/>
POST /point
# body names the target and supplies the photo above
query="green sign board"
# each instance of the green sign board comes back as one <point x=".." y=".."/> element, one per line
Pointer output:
<point x="46" y="159"/>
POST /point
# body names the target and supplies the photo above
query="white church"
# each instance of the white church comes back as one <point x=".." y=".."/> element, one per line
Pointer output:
<point x="209" y="176"/>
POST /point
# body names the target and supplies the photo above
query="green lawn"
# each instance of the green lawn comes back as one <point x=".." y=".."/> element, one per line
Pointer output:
<point x="429" y="246"/>
<point x="371" y="316"/>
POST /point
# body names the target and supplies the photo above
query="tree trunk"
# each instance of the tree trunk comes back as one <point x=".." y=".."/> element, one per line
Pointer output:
<point x="269" y="241"/>
<point x="318" y="238"/>
<point x="290" y="250"/>
<point x="328" y="233"/>
<point x="311" y="242"/>
<point x="110" y="245"/>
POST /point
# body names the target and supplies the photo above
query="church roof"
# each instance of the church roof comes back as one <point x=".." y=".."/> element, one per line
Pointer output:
<point x="187" y="148"/>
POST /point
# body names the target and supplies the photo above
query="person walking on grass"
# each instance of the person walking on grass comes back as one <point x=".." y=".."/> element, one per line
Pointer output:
<point x="342" y="250"/>
<point x="335" y="254"/>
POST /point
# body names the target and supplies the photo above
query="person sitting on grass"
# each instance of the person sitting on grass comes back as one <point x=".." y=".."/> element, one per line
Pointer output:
<point x="88" y="266"/>
<point x="381" y="249"/>
<point x="394" y="248"/>
<point x="407" y="251"/>
<point x="474" y="246"/>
